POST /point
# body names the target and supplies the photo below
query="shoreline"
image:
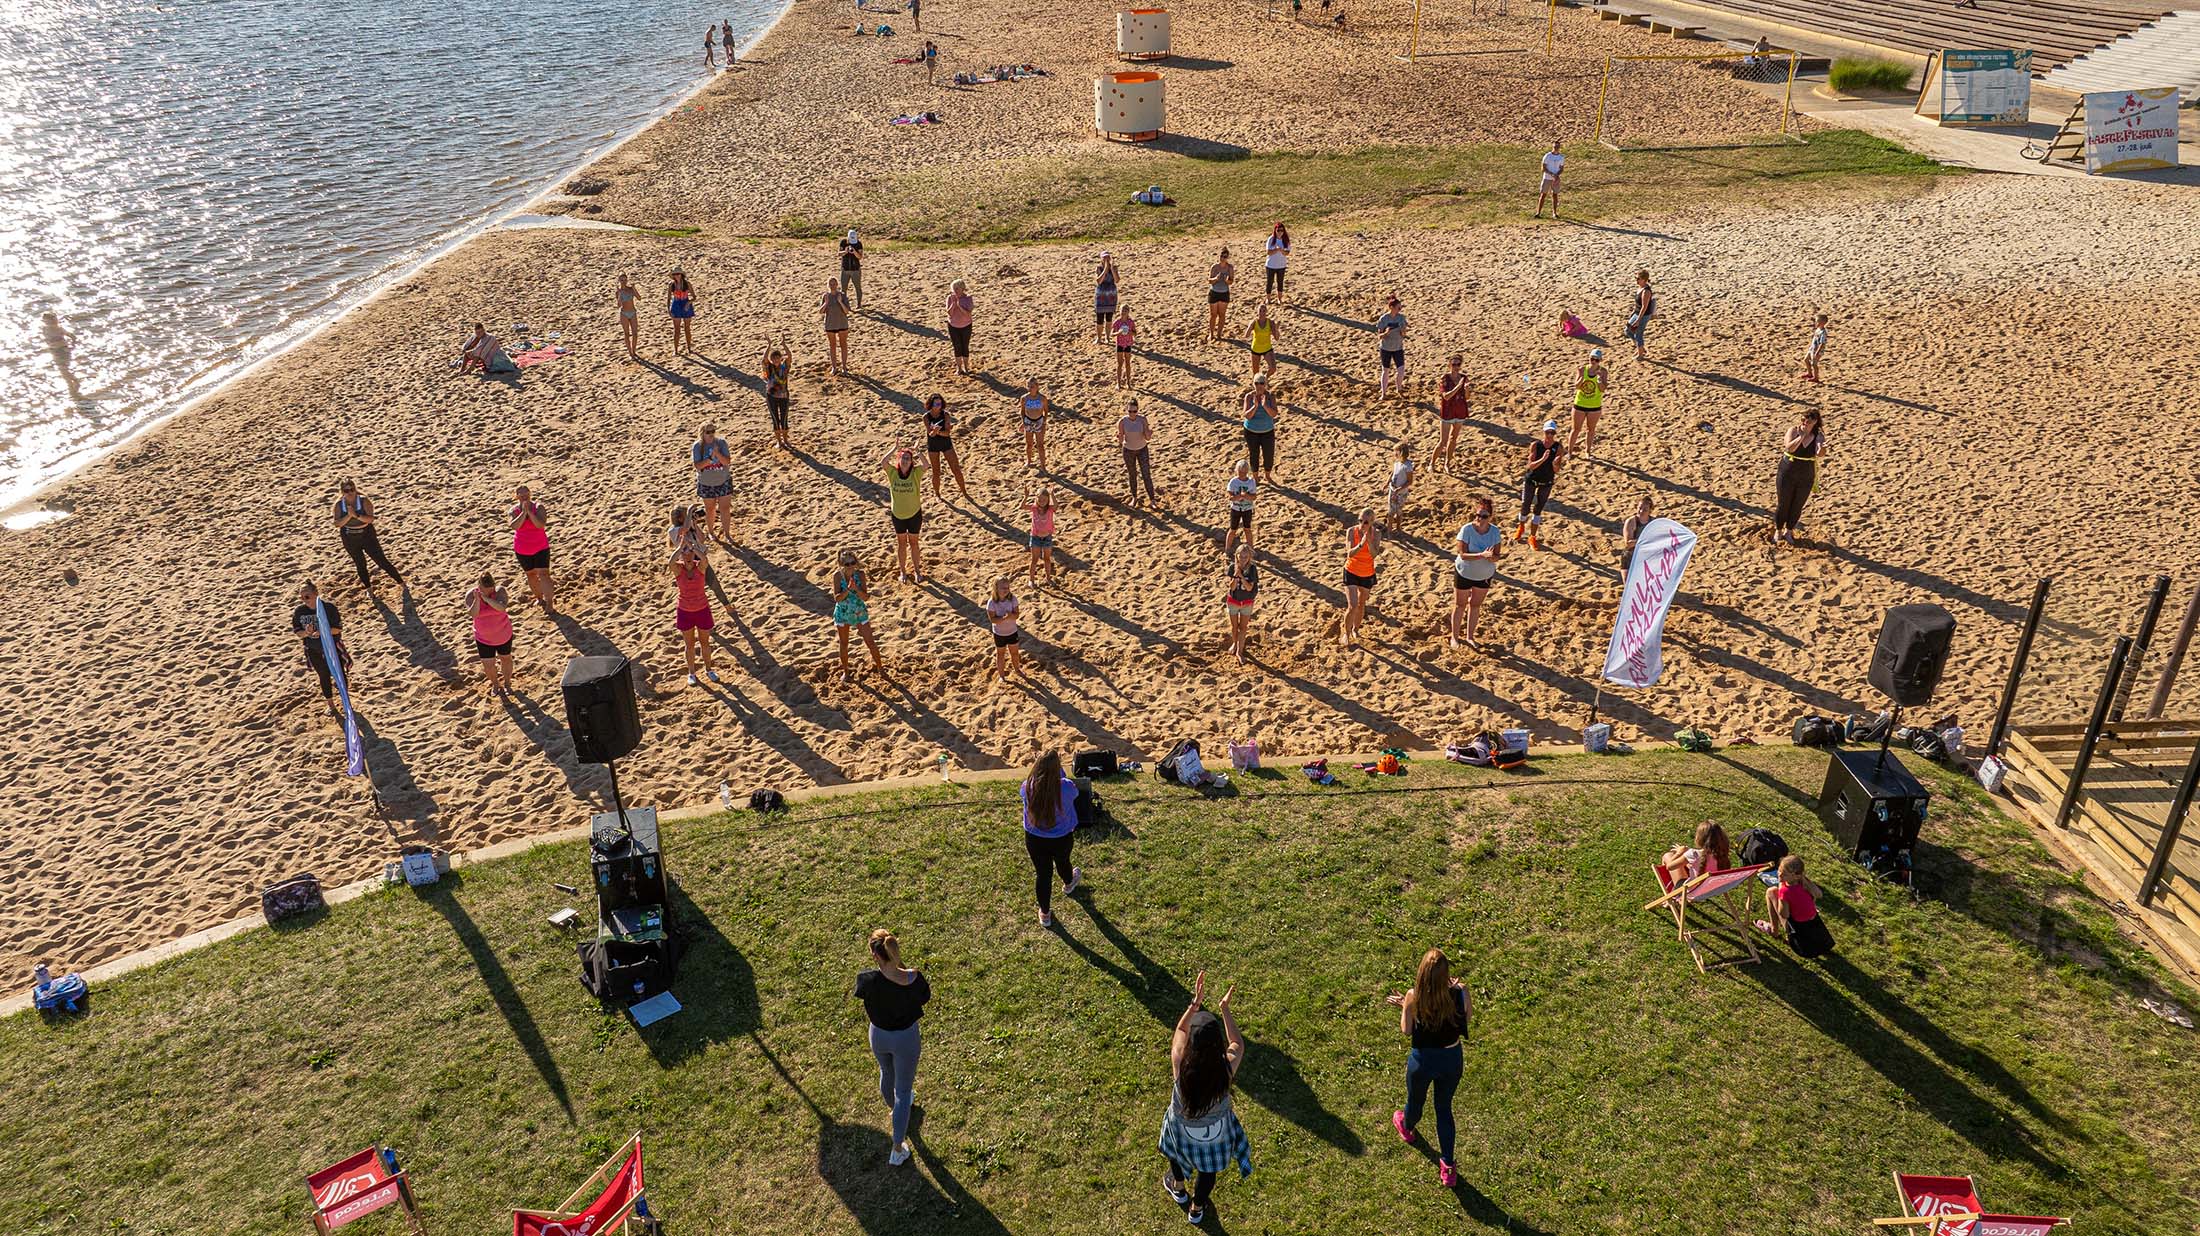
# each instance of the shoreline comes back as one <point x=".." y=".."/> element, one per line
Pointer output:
<point x="30" y="510"/>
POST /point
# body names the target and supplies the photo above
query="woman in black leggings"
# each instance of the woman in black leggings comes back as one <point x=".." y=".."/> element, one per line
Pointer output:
<point x="1050" y="830"/>
<point x="1801" y="455"/>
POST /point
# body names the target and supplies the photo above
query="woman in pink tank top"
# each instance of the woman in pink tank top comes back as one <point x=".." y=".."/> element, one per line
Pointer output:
<point x="692" y="615"/>
<point x="531" y="545"/>
<point x="491" y="613"/>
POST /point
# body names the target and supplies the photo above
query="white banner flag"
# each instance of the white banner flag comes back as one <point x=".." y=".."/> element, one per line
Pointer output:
<point x="1635" y="658"/>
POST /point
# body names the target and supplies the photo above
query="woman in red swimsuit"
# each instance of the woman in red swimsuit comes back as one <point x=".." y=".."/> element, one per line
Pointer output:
<point x="1454" y="400"/>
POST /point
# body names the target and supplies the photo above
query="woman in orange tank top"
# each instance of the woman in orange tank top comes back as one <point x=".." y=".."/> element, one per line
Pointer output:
<point x="1362" y="541"/>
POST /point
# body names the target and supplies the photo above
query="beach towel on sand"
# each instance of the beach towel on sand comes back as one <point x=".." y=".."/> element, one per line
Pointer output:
<point x="536" y="356"/>
<point x="917" y="118"/>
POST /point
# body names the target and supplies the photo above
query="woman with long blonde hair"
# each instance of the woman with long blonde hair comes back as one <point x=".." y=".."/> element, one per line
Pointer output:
<point x="1433" y="1014"/>
<point x="893" y="998"/>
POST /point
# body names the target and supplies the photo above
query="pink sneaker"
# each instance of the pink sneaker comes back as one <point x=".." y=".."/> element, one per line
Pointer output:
<point x="1398" y="1122"/>
<point x="1447" y="1175"/>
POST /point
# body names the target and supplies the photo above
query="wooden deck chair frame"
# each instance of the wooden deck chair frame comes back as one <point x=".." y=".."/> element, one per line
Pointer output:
<point x="1677" y="898"/>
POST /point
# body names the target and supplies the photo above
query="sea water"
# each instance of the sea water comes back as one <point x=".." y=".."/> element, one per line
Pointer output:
<point x="192" y="185"/>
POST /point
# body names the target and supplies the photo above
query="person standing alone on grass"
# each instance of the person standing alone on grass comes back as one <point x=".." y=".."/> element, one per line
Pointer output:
<point x="1589" y="386"/>
<point x="1200" y="1133"/>
<point x="1638" y="318"/>
<point x="1390" y="344"/>
<point x="1433" y="1015"/>
<point x="1815" y="352"/>
<point x="1279" y="258"/>
<point x="893" y="998"/>
<point x="905" y="507"/>
<point x="1480" y="544"/>
<point x="1554" y="166"/>
<point x="1050" y="831"/>
<point x="960" y="308"/>
<point x="1544" y="455"/>
<point x="851" y="256"/>
<point x="1134" y="433"/>
<point x="305" y="623"/>
<point x="355" y="518"/>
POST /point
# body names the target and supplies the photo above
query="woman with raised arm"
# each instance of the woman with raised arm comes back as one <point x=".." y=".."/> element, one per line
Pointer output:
<point x="1200" y="1133"/>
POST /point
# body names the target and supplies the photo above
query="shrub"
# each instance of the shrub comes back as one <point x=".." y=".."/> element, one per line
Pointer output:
<point x="1854" y="75"/>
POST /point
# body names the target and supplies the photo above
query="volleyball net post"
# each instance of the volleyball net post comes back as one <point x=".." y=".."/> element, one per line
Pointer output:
<point x="1785" y="134"/>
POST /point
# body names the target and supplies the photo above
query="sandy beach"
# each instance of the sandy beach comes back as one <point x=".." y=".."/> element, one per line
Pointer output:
<point x="2004" y="395"/>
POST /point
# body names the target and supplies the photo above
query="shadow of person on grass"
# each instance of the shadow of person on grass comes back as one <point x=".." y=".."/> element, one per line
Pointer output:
<point x="442" y="896"/>
<point x="1268" y="1075"/>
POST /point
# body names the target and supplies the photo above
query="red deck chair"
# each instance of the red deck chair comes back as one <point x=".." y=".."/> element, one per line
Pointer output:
<point x="1949" y="1206"/>
<point x="1721" y="885"/>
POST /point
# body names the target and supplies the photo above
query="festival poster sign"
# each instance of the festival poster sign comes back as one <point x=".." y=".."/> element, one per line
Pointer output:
<point x="1636" y="657"/>
<point x="2131" y="130"/>
<point x="1983" y="87"/>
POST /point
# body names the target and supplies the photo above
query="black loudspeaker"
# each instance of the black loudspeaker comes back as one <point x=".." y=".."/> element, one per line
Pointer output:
<point x="1913" y="650"/>
<point x="599" y="708"/>
<point x="1874" y="808"/>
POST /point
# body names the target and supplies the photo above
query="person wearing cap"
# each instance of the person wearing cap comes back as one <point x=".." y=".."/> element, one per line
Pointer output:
<point x="1535" y="485"/>
<point x="1200" y="1133"/>
<point x="851" y="268"/>
<point x="1589" y="387"/>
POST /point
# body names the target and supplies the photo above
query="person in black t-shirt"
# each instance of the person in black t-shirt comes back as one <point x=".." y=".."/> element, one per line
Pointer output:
<point x="851" y="269"/>
<point x="893" y="998"/>
<point x="306" y="625"/>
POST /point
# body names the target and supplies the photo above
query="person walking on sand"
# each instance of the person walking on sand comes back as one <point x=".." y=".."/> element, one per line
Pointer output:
<point x="1362" y="541"/>
<point x="1645" y="307"/>
<point x="491" y="613"/>
<point x="713" y="458"/>
<point x="355" y="520"/>
<point x="893" y="997"/>
<point x="1050" y="830"/>
<point x="1630" y="532"/>
<point x="710" y="50"/>
<point x="777" y="371"/>
<point x="627" y="297"/>
<point x="1260" y="341"/>
<point x="939" y="443"/>
<point x="1544" y="456"/>
<point x="1106" y="295"/>
<point x="680" y="303"/>
<point x="60" y="345"/>
<point x="1200" y="1133"/>
<point x="691" y="614"/>
<point x="1041" y="510"/>
<point x="1219" y="277"/>
<point x="1240" y="597"/>
<point x="305" y="623"/>
<point x="1240" y="491"/>
<point x="959" y="315"/>
<point x="852" y="610"/>
<point x="1801" y="455"/>
<point x="1480" y="544"/>
<point x="1134" y="433"/>
<point x="1126" y="337"/>
<point x="1815" y="352"/>
<point x="851" y="268"/>
<point x="531" y="545"/>
<point x="834" y="307"/>
<point x="1034" y="409"/>
<point x="1259" y="407"/>
<point x="1589" y="386"/>
<point x="1433" y="1015"/>
<point x="1554" y="166"/>
<point x="1390" y="349"/>
<point x="905" y="495"/>
<point x="1401" y="481"/>
<point x="1001" y="613"/>
<point x="1454" y="404"/>
<point x="1279" y="257"/>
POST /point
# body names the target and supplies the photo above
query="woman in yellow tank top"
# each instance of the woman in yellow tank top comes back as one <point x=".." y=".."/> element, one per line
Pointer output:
<point x="1589" y="387"/>
<point x="1262" y="338"/>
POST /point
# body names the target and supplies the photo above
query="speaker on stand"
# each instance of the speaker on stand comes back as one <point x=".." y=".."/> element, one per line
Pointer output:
<point x="1875" y="808"/>
<point x="634" y="952"/>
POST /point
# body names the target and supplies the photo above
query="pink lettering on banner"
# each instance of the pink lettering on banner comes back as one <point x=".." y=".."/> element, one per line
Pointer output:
<point x="1653" y="580"/>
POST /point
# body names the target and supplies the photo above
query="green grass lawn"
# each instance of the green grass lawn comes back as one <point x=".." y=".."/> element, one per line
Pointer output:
<point x="1087" y="198"/>
<point x="1989" y="1029"/>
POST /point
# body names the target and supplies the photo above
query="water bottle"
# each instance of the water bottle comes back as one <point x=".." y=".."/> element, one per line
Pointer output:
<point x="389" y="1161"/>
<point x="725" y="794"/>
<point x="944" y="765"/>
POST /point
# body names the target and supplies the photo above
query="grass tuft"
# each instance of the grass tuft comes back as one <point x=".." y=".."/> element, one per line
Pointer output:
<point x="1860" y="75"/>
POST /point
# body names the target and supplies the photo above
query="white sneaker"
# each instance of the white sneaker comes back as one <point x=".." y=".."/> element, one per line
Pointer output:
<point x="1076" y="881"/>
<point x="691" y="680"/>
<point x="898" y="1155"/>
